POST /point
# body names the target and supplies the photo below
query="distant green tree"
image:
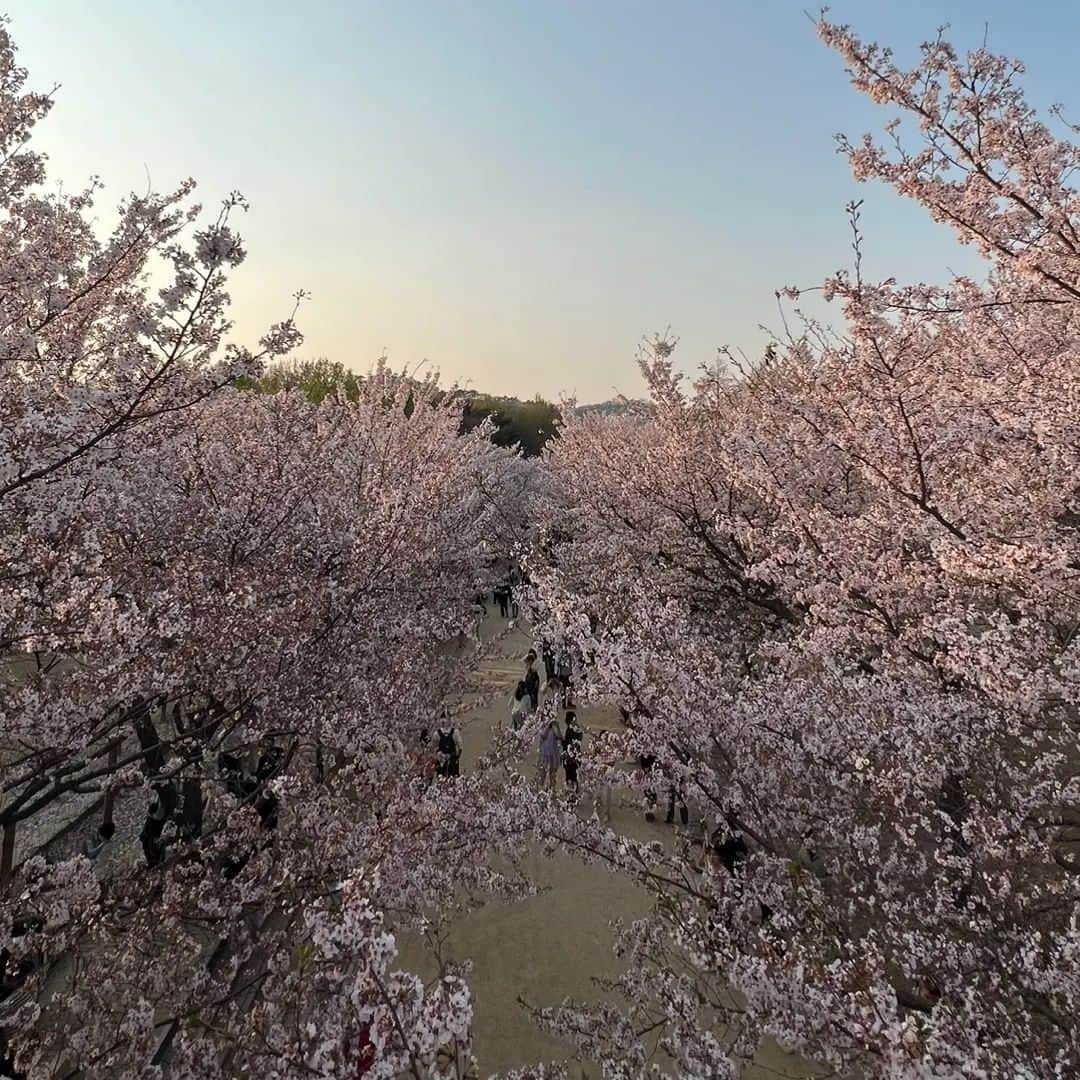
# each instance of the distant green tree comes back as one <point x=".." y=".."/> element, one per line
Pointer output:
<point x="526" y="424"/>
<point x="318" y="379"/>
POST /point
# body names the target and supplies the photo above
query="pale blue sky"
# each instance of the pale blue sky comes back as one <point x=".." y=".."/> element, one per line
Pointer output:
<point x="515" y="191"/>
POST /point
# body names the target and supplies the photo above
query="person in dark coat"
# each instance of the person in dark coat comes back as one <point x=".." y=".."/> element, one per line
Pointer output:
<point x="548" y="658"/>
<point x="571" y="750"/>
<point x="532" y="679"/>
<point x="448" y="750"/>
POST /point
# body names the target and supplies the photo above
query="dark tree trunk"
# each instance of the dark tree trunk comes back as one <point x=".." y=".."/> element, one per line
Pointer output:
<point x="7" y="855"/>
<point x="107" y="825"/>
<point x="191" y="812"/>
<point x="149" y="740"/>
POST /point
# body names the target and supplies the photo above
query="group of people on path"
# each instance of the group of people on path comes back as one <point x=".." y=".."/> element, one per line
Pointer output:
<point x="507" y="591"/>
<point x="441" y="753"/>
<point x="525" y="699"/>
<point x="558" y="746"/>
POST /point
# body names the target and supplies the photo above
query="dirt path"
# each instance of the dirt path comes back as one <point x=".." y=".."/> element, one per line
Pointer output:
<point x="552" y="945"/>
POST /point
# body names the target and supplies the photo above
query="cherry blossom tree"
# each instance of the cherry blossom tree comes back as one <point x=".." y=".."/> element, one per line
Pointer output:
<point x="836" y="594"/>
<point x="226" y="615"/>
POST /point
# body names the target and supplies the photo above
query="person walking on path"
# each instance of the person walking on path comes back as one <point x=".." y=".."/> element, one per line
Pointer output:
<point x="532" y="679"/>
<point x="448" y="749"/>
<point x="550" y="742"/>
<point x="571" y="751"/>
<point x="479" y="611"/>
<point x="520" y="705"/>
<point x="548" y="658"/>
<point x="554" y="692"/>
<point x="502" y="598"/>
<point x="602" y="798"/>
<point x="675" y="792"/>
<point x="564" y="668"/>
<point x="515" y="583"/>
<point x="727" y="849"/>
<point x="365" y="1052"/>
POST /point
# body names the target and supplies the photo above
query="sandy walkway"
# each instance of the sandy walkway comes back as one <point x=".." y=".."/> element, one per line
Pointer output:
<point x="552" y="945"/>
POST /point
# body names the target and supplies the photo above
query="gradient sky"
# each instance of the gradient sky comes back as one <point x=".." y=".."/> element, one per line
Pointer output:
<point x="514" y="191"/>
